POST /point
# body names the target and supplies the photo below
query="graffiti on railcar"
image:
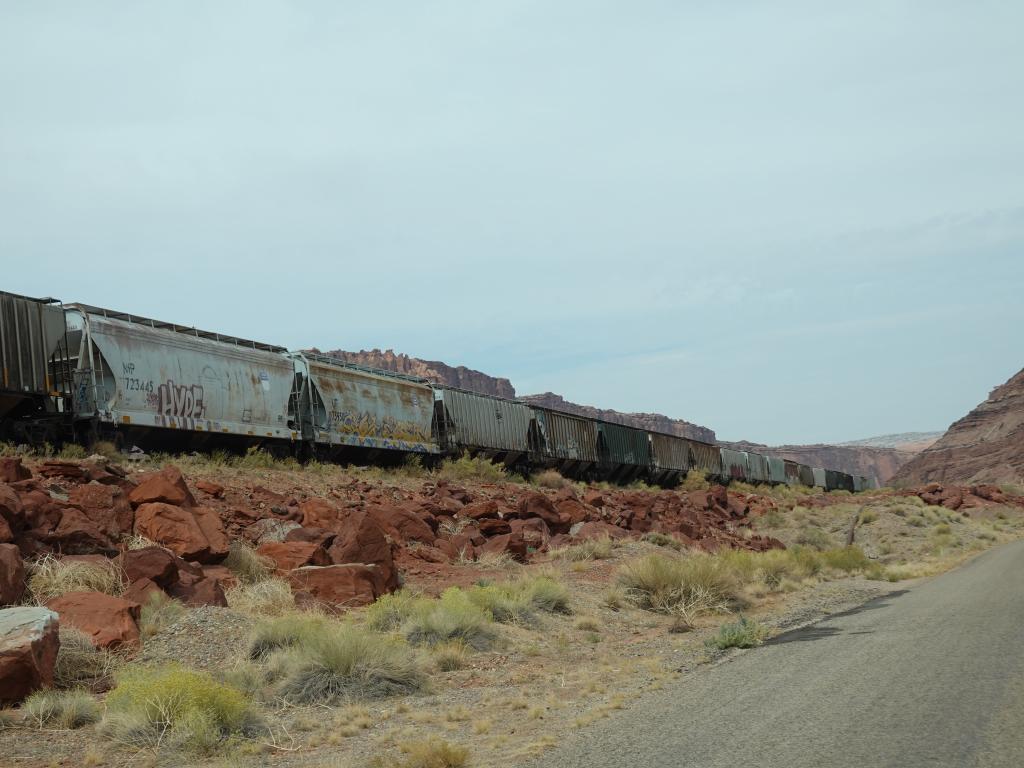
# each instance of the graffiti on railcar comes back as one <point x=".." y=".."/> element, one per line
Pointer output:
<point x="365" y="424"/>
<point x="182" y="400"/>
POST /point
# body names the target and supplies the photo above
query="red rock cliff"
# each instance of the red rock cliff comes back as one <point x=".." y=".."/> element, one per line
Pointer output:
<point x="985" y="446"/>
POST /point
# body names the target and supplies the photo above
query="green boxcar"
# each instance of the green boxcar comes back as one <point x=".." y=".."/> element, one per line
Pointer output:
<point x="734" y="464"/>
<point x="671" y="458"/>
<point x="819" y="477"/>
<point x="776" y="470"/>
<point x="705" y="458"/>
<point x="625" y="452"/>
<point x="757" y="468"/>
<point x="563" y="441"/>
<point x="806" y="475"/>
<point x="481" y="424"/>
<point x="838" y="481"/>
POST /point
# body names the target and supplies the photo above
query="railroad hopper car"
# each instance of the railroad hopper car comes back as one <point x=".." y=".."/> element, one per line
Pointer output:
<point x="342" y="406"/>
<point x="99" y="373"/>
<point x="33" y="365"/>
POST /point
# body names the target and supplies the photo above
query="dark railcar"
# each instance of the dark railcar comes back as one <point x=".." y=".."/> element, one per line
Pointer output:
<point x="625" y="452"/>
<point x="563" y="441"/>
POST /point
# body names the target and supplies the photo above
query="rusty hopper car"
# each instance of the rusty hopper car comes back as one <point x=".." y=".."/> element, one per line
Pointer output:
<point x="134" y="373"/>
<point x="671" y="458"/>
<point x="734" y="464"/>
<point x="33" y="367"/>
<point x="345" y="405"/>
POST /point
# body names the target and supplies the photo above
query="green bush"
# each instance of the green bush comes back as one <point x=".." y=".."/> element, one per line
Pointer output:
<point x="591" y="549"/>
<point x="173" y="707"/>
<point x="661" y="540"/>
<point x="346" y="662"/>
<point x="60" y="709"/>
<point x="545" y="594"/>
<point x="744" y="633"/>
<point x="454" y="616"/>
<point x="815" y="538"/>
<point x="389" y="612"/>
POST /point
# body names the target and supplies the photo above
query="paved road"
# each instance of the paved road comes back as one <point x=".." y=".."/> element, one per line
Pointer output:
<point x="933" y="676"/>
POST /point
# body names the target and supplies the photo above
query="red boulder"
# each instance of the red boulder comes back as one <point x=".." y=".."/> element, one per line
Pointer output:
<point x="28" y="651"/>
<point x="167" y="486"/>
<point x="337" y="586"/>
<point x="12" y="575"/>
<point x="109" y="621"/>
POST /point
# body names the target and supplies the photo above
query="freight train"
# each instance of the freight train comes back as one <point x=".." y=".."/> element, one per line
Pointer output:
<point x="81" y="373"/>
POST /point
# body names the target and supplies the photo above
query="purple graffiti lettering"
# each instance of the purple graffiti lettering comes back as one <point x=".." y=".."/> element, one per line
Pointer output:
<point x="183" y="401"/>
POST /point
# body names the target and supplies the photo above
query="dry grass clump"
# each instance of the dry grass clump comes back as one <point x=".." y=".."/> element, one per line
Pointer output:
<point x="431" y="753"/>
<point x="172" y="707"/>
<point x="449" y="657"/>
<point x="80" y="663"/>
<point x="51" y="577"/>
<point x="158" y="613"/>
<point x="389" y="612"/>
<point x="269" y="597"/>
<point x="695" y="481"/>
<point x="452" y="617"/>
<point x="344" y="662"/>
<point x="66" y="710"/>
<point x="672" y="584"/>
<point x="470" y="468"/>
<point x="662" y="540"/>
<point x="551" y="478"/>
<point x="247" y="565"/>
<point x="592" y="549"/>
<point x="284" y="632"/>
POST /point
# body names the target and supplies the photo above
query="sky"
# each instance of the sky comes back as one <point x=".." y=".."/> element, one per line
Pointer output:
<point x="791" y="222"/>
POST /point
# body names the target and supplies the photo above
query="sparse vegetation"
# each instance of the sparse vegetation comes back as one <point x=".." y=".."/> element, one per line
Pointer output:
<point x="248" y="566"/>
<point x="695" y="481"/>
<point x="661" y="540"/>
<point x="670" y="584"/>
<point x="269" y="597"/>
<point x="551" y="478"/>
<point x="80" y="663"/>
<point x="472" y="468"/>
<point x="449" y="657"/>
<point x="344" y="662"/>
<point x="51" y="577"/>
<point x="432" y="753"/>
<point x="744" y="633"/>
<point x="452" y="617"/>
<point x="175" y="708"/>
<point x="591" y="549"/>
<point x="158" y="612"/>
<point x="60" y="709"/>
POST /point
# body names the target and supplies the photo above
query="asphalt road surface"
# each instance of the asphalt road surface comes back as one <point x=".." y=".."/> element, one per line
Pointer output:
<point x="932" y="676"/>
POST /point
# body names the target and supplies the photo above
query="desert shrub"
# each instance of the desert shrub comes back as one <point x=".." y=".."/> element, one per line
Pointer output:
<point x="588" y="624"/>
<point x="80" y="663"/>
<point x="174" y="707"/>
<point x="845" y="559"/>
<point x="772" y="519"/>
<point x="269" y="597"/>
<point x="346" y="662"/>
<point x="551" y="478"/>
<point x="614" y="598"/>
<point x="545" y="594"/>
<point x="159" y="612"/>
<point x="661" y="540"/>
<point x="669" y="584"/>
<point x="72" y="452"/>
<point x="432" y="753"/>
<point x="504" y="605"/>
<point x="591" y="549"/>
<point x="744" y="633"/>
<point x="695" y="481"/>
<point x="942" y="529"/>
<point x="490" y="560"/>
<point x="51" y="577"/>
<point x="867" y="517"/>
<point x="450" y="656"/>
<point x="256" y="458"/>
<point x="389" y="612"/>
<point x="815" y="538"/>
<point x="60" y="709"/>
<point x="470" y="468"/>
<point x="247" y="565"/>
<point x="284" y="632"/>
<point x="454" y="616"/>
